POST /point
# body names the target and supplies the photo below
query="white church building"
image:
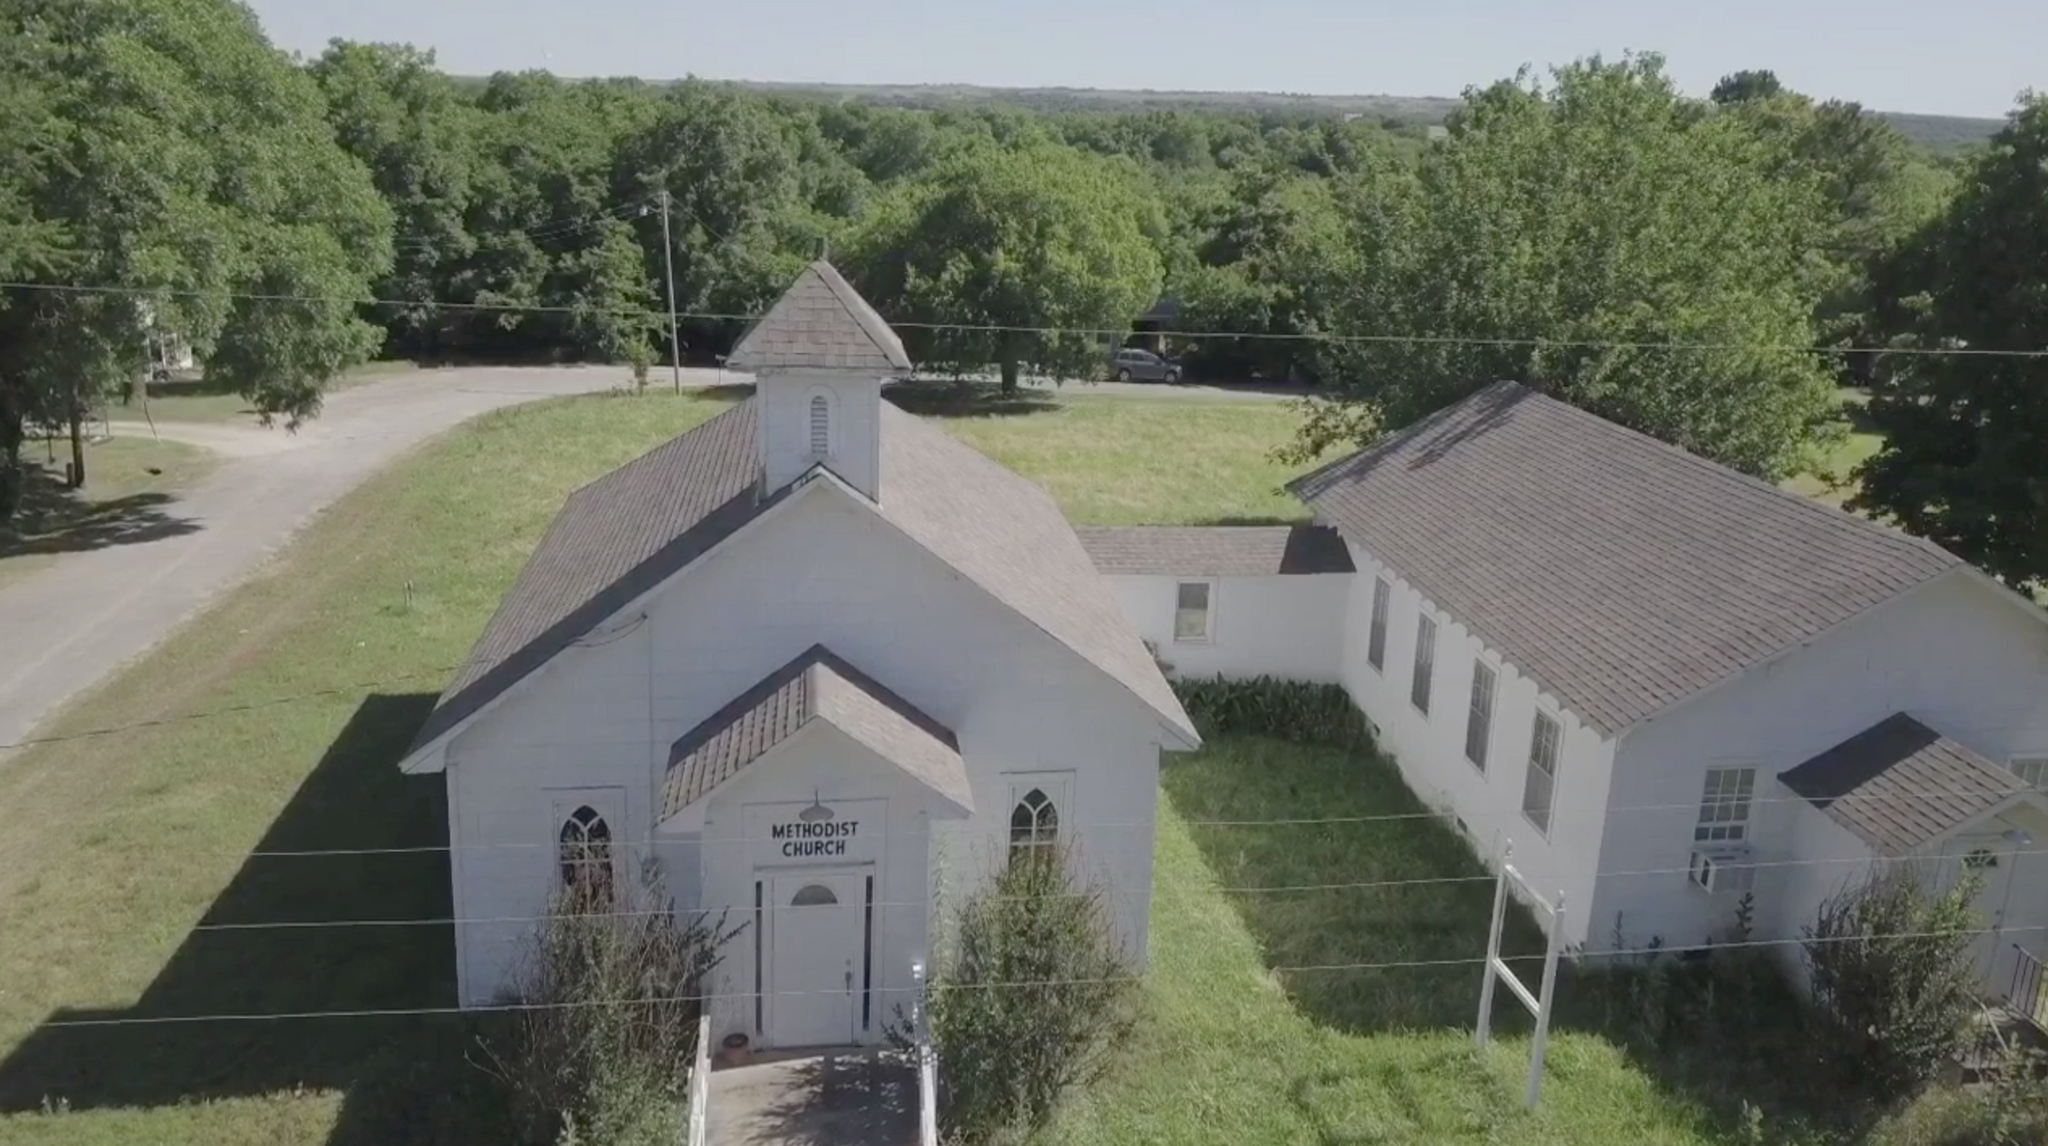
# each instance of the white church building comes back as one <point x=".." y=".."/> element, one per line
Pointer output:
<point x="816" y="661"/>
<point x="809" y="657"/>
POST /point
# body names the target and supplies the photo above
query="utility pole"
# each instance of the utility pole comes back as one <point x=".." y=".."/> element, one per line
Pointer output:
<point x="668" y="258"/>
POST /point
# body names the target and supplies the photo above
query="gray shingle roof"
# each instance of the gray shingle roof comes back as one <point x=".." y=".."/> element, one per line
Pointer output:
<point x="1900" y="784"/>
<point x="815" y="686"/>
<point x="1621" y="573"/>
<point x="626" y="532"/>
<point x="613" y="540"/>
<point x="1215" y="551"/>
<point x="820" y="323"/>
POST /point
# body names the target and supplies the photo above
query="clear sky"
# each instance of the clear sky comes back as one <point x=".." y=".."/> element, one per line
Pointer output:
<point x="1954" y="57"/>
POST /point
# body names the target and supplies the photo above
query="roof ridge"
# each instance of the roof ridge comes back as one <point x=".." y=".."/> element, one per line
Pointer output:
<point x="850" y="299"/>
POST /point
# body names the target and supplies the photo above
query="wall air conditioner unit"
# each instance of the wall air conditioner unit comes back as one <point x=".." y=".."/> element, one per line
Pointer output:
<point x="1722" y="870"/>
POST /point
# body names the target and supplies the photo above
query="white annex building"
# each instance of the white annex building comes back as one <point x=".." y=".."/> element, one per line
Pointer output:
<point x="817" y="660"/>
<point x="807" y="656"/>
<point x="1664" y="683"/>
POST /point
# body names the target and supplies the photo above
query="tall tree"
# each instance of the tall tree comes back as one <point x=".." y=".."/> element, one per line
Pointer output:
<point x="1741" y="87"/>
<point x="1021" y="258"/>
<point x="1966" y="435"/>
<point x="1263" y="272"/>
<point x="393" y="110"/>
<point x="1605" y="241"/>
<point x="196" y="188"/>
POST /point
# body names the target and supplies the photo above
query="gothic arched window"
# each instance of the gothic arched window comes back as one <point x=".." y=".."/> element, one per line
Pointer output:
<point x="584" y="850"/>
<point x="1034" y="824"/>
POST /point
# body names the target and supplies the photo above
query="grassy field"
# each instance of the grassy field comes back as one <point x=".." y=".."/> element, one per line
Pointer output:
<point x="126" y="865"/>
<point x="128" y="481"/>
<point x="1234" y="1047"/>
<point x="195" y="400"/>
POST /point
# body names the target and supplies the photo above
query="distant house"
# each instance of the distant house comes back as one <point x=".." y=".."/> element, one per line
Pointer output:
<point x="1665" y="683"/>
<point x="815" y="660"/>
<point x="1149" y="330"/>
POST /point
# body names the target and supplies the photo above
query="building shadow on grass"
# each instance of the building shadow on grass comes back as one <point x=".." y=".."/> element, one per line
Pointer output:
<point x="54" y="519"/>
<point x="1713" y="1034"/>
<point x="405" y="1078"/>
<point x="968" y="399"/>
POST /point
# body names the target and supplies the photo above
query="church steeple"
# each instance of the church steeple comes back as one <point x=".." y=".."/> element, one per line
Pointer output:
<point x="819" y="358"/>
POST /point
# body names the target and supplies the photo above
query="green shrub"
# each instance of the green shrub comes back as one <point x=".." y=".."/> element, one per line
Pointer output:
<point x="1029" y="1002"/>
<point x="2008" y="1108"/>
<point x="603" y="1055"/>
<point x="1269" y="706"/>
<point x="1892" y="977"/>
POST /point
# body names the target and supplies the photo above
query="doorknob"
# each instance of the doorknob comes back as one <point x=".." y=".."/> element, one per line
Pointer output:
<point x="849" y="978"/>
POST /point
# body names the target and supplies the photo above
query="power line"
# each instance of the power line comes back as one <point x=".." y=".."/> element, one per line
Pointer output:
<point x="999" y="328"/>
<point x="1125" y="893"/>
<point x="714" y="997"/>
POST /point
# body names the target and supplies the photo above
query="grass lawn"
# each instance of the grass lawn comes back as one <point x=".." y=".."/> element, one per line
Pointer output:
<point x="128" y="480"/>
<point x="116" y="847"/>
<point x="1232" y="1048"/>
<point x="193" y="400"/>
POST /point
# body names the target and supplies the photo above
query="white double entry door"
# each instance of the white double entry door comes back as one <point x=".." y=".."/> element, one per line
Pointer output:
<point x="817" y="957"/>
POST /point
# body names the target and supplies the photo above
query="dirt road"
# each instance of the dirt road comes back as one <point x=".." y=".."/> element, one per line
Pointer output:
<point x="94" y="610"/>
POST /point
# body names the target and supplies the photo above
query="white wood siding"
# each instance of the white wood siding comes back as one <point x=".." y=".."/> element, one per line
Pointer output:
<point x="824" y="570"/>
<point x="1951" y="654"/>
<point x="1430" y="750"/>
<point x="1283" y="626"/>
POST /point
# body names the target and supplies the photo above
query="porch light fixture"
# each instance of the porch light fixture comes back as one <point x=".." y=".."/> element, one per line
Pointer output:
<point x="816" y="812"/>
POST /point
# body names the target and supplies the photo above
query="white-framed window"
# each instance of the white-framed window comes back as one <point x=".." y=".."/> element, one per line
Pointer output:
<point x="1040" y="811"/>
<point x="1425" y="663"/>
<point x="1194" y="610"/>
<point x="1479" y="717"/>
<point x="587" y="827"/>
<point x="820" y="409"/>
<point x="1376" y="636"/>
<point x="1539" y="788"/>
<point x="2032" y="770"/>
<point x="1724" y="806"/>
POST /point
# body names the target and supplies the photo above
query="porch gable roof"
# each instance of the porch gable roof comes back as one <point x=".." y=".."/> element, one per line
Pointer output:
<point x="1899" y="784"/>
<point x="818" y="685"/>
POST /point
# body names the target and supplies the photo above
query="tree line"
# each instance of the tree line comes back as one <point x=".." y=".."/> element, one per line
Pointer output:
<point x="1707" y="270"/>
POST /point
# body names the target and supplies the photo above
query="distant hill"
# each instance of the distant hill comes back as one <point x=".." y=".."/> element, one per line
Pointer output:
<point x="1941" y="133"/>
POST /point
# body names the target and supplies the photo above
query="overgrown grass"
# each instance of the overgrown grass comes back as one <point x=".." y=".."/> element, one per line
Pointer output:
<point x="1233" y="1047"/>
<point x="127" y="481"/>
<point x="115" y="846"/>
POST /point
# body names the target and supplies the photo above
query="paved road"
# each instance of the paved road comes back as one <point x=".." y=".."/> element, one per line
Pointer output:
<point x="96" y="609"/>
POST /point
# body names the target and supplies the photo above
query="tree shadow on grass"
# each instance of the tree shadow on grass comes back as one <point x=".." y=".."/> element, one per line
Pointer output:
<point x="1711" y="1036"/>
<point x="968" y="399"/>
<point x="54" y="519"/>
<point x="405" y="1078"/>
<point x="859" y="1098"/>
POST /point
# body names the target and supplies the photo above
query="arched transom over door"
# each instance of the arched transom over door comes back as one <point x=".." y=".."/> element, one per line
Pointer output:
<point x="817" y="962"/>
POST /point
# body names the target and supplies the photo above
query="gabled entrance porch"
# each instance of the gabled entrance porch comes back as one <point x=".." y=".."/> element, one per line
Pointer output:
<point x="803" y="811"/>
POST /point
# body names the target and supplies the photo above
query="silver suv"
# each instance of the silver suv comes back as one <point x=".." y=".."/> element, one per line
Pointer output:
<point x="1132" y="364"/>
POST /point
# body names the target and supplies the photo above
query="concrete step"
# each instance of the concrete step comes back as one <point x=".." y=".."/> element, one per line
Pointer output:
<point x="845" y="1097"/>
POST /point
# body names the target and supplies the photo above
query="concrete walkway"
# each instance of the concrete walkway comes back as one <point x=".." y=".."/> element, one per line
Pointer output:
<point x="832" y="1098"/>
<point x="95" y="609"/>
